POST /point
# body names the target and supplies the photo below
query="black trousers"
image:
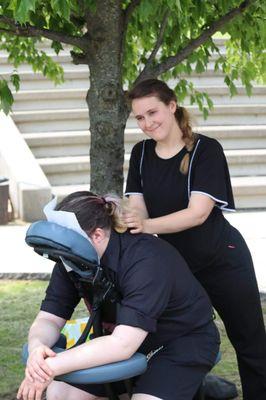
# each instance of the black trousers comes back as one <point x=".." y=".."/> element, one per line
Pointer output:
<point x="232" y="287"/>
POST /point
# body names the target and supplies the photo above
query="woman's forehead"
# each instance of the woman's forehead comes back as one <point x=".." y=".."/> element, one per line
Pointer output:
<point x="144" y="104"/>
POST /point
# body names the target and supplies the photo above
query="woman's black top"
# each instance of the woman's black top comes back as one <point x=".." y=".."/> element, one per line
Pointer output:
<point x="158" y="292"/>
<point x="166" y="190"/>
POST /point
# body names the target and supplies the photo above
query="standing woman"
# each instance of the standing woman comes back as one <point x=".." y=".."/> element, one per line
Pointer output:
<point x="178" y="185"/>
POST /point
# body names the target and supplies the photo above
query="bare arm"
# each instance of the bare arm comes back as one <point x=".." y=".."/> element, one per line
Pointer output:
<point x="198" y="210"/>
<point x="45" y="330"/>
<point x="120" y="345"/>
<point x="43" y="334"/>
<point x="136" y="202"/>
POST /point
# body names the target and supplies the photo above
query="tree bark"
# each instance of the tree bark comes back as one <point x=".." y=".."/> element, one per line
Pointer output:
<point x="106" y="101"/>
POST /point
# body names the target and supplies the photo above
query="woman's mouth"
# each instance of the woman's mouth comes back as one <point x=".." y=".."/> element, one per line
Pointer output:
<point x="150" y="130"/>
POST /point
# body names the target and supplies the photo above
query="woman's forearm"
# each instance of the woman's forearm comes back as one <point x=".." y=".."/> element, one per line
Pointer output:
<point x="198" y="210"/>
<point x="103" y="350"/>
<point x="121" y="345"/>
<point x="172" y="223"/>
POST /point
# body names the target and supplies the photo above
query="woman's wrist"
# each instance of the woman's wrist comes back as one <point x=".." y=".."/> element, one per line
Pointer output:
<point x="147" y="226"/>
<point x="52" y="364"/>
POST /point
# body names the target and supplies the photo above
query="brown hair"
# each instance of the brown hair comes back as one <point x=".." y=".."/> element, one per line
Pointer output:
<point x="93" y="211"/>
<point x="159" y="89"/>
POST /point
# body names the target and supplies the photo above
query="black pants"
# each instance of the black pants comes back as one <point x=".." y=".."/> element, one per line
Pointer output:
<point x="232" y="287"/>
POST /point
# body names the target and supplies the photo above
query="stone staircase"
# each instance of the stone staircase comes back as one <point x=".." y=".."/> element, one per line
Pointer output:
<point x="54" y="123"/>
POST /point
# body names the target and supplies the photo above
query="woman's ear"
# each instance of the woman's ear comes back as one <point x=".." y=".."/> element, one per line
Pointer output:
<point x="100" y="238"/>
<point x="98" y="235"/>
<point x="172" y="106"/>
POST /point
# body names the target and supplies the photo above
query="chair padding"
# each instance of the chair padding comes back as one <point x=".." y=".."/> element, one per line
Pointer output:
<point x="135" y="365"/>
<point x="53" y="236"/>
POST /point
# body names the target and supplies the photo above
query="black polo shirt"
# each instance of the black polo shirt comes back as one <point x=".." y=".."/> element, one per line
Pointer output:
<point x="158" y="292"/>
<point x="166" y="190"/>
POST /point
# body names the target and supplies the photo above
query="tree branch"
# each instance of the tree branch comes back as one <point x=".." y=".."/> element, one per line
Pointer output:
<point x="158" y="42"/>
<point x="172" y="61"/>
<point x="31" y="31"/>
<point x="129" y="10"/>
<point x="7" y="31"/>
<point x="127" y="14"/>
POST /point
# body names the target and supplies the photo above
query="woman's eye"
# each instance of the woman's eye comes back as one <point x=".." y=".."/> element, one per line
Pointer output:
<point x="152" y="112"/>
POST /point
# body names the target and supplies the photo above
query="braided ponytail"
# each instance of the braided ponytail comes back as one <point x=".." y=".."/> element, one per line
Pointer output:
<point x="183" y="119"/>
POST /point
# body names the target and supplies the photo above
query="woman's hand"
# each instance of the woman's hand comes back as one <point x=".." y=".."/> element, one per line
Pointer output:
<point x="32" y="390"/>
<point x="37" y="369"/>
<point x="135" y="222"/>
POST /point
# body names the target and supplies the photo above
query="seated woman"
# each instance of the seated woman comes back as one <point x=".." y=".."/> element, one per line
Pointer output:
<point x="163" y="313"/>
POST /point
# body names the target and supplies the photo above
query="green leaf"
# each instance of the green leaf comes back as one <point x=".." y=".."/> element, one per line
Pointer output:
<point x="179" y="6"/>
<point x="6" y="97"/>
<point x="205" y="112"/>
<point x="15" y="80"/>
<point x="209" y="102"/>
<point x="200" y="67"/>
<point x="62" y="8"/>
<point x="23" y="9"/>
<point x="57" y="46"/>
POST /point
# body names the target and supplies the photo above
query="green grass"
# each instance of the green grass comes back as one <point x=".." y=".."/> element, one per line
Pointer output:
<point x="20" y="302"/>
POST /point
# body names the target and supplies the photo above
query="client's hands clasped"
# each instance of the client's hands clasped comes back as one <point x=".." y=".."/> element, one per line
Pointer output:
<point x="37" y="368"/>
<point x="38" y="375"/>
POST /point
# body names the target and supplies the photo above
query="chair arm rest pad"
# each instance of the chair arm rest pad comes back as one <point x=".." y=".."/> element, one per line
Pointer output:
<point x="135" y="365"/>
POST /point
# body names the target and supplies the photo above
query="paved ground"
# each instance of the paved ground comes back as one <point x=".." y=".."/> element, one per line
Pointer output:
<point x="19" y="260"/>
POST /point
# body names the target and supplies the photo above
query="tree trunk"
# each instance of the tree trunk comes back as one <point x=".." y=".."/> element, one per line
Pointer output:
<point x="106" y="101"/>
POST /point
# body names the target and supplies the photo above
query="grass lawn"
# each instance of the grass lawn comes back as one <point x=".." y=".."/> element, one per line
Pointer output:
<point x="19" y="303"/>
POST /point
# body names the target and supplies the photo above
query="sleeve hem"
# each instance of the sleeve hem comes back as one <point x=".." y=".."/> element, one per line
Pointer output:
<point x="132" y="317"/>
<point x="54" y="310"/>
<point x="130" y="193"/>
<point x="222" y="204"/>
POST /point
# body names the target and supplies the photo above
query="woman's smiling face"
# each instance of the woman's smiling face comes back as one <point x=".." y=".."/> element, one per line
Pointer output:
<point x="154" y="118"/>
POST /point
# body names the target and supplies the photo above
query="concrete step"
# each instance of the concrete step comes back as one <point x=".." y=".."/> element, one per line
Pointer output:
<point x="32" y="100"/>
<point x="231" y="137"/>
<point x="58" y="144"/>
<point x="76" y="98"/>
<point x="63" y="59"/>
<point x="225" y="114"/>
<point x="66" y="170"/>
<point x="74" y="78"/>
<point x="72" y="143"/>
<point x="238" y="136"/>
<point x="220" y="95"/>
<point x="77" y="119"/>
<point x="67" y="64"/>
<point x="76" y="169"/>
<point x="249" y="192"/>
<point x="69" y="170"/>
<point x="247" y="162"/>
<point x="51" y="120"/>
<point x="27" y="76"/>
<point x="63" y="56"/>
<point x="61" y="191"/>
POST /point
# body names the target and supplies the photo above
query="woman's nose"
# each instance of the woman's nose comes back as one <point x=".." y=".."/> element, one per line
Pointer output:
<point x="148" y="123"/>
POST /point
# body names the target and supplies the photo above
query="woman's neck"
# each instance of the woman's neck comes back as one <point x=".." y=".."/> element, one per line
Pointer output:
<point x="171" y="145"/>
